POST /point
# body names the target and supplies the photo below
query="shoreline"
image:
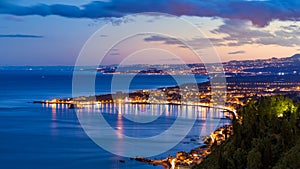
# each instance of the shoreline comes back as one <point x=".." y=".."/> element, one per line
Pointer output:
<point x="81" y="105"/>
<point x="182" y="158"/>
<point x="229" y="112"/>
<point x="195" y="155"/>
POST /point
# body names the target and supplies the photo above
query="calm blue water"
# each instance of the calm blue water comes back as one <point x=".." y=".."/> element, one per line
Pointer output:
<point x="34" y="136"/>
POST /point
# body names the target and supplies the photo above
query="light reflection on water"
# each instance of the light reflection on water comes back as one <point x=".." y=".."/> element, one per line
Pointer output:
<point x="169" y="110"/>
<point x="50" y="137"/>
<point x="156" y="117"/>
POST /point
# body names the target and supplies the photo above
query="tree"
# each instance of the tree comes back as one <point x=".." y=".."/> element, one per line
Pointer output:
<point x="254" y="160"/>
<point x="266" y="135"/>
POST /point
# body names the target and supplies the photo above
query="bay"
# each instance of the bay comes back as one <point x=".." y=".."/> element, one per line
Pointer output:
<point x="37" y="136"/>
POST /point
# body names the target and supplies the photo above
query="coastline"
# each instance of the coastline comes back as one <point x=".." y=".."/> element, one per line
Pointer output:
<point x="74" y="105"/>
<point x="172" y="96"/>
<point x="194" y="156"/>
<point x="182" y="159"/>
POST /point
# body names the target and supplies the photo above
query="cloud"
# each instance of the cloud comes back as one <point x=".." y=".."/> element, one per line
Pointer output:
<point x="287" y="36"/>
<point x="196" y="43"/>
<point x="239" y="32"/>
<point x="170" y="59"/>
<point x="114" y="54"/>
<point x="260" y="13"/>
<point x="14" y="18"/>
<point x="236" y="52"/>
<point x="166" y="40"/>
<point x="290" y="27"/>
<point x="20" y="36"/>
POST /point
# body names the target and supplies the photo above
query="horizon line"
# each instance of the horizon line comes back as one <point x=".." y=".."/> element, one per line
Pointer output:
<point x="59" y="65"/>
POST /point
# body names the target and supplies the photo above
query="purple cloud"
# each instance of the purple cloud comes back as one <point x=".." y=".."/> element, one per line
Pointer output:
<point x="236" y="52"/>
<point x="20" y="36"/>
<point x="166" y="40"/>
<point x="241" y="33"/>
<point x="260" y="13"/>
<point x="200" y="43"/>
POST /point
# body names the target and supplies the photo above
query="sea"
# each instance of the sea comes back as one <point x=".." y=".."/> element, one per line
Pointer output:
<point x="36" y="136"/>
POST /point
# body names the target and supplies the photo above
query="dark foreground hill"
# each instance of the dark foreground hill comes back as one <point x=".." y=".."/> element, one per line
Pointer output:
<point x="266" y="136"/>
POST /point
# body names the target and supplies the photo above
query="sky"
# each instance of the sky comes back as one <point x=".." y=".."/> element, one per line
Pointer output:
<point x="54" y="32"/>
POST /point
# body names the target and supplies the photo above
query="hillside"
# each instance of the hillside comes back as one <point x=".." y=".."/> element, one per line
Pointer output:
<point x="266" y="136"/>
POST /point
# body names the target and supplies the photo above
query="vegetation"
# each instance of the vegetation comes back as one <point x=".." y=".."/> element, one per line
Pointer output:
<point x="266" y="136"/>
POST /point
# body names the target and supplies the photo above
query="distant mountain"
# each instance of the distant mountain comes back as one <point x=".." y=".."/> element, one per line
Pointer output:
<point x="295" y="57"/>
<point x="271" y="66"/>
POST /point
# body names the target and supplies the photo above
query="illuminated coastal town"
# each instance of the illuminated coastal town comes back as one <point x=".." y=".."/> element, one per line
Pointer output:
<point x="254" y="79"/>
<point x="259" y="79"/>
<point x="150" y="84"/>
